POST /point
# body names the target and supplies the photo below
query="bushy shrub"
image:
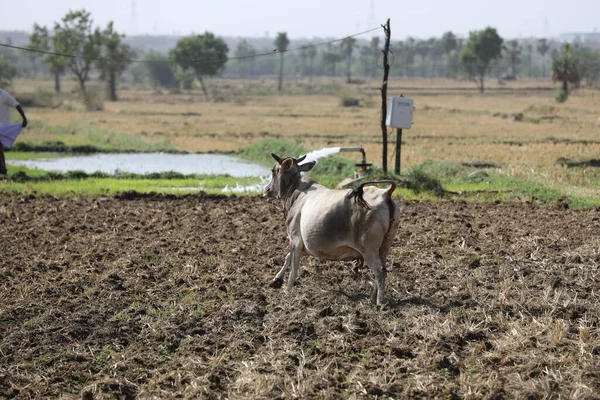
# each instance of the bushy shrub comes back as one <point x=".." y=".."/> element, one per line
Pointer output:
<point x="51" y="146"/>
<point x="94" y="99"/>
<point x="54" y="176"/>
<point x="77" y="174"/>
<point x="350" y="101"/>
<point x="561" y="96"/>
<point x="421" y="181"/>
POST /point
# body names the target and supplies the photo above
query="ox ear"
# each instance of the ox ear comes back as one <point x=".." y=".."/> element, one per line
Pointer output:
<point x="287" y="164"/>
<point x="307" y="167"/>
<point x="276" y="157"/>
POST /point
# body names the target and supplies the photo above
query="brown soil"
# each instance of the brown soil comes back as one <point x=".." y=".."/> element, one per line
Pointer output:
<point x="164" y="297"/>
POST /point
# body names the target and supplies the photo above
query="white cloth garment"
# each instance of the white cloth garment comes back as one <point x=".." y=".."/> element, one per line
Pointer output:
<point x="9" y="133"/>
<point x="6" y="102"/>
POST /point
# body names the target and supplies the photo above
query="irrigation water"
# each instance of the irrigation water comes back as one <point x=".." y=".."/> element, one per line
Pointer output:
<point x="144" y="163"/>
<point x="324" y="152"/>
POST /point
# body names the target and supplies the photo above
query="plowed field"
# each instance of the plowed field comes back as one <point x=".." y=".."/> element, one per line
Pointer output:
<point x="164" y="297"/>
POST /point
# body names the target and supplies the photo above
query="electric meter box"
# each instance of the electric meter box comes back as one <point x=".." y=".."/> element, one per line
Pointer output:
<point x="399" y="112"/>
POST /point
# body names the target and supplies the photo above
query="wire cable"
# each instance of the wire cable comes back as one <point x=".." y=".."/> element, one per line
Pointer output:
<point x="195" y="61"/>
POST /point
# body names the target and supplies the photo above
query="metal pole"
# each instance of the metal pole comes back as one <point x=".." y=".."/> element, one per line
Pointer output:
<point x="398" y="147"/>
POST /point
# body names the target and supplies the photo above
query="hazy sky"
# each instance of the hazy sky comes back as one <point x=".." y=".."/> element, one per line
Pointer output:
<point x="318" y="18"/>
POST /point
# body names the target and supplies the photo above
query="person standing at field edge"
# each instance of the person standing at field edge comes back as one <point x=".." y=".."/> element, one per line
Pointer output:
<point x="7" y="101"/>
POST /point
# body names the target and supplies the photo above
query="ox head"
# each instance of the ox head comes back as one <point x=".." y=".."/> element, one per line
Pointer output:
<point x="286" y="174"/>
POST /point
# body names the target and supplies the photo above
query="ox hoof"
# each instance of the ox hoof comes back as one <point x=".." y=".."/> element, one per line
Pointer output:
<point x="276" y="283"/>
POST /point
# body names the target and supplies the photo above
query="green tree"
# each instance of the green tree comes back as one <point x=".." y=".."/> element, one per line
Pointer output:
<point x="281" y="44"/>
<point x="309" y="52"/>
<point x="73" y="35"/>
<point x="374" y="51"/>
<point x="422" y="49"/>
<point x="480" y="50"/>
<point x="33" y="57"/>
<point x="529" y="49"/>
<point x="513" y="51"/>
<point x="160" y="72"/>
<point x="368" y="57"/>
<point x="244" y="52"/>
<point x="266" y="65"/>
<point x="448" y="44"/>
<point x="185" y="78"/>
<point x="564" y="70"/>
<point x="7" y="71"/>
<point x="542" y="49"/>
<point x="407" y="51"/>
<point x="139" y="74"/>
<point x="304" y="49"/>
<point x="436" y="52"/>
<point x="115" y="57"/>
<point x="40" y="40"/>
<point x="348" y="45"/>
<point x="588" y="65"/>
<point x="331" y="57"/>
<point x="205" y="54"/>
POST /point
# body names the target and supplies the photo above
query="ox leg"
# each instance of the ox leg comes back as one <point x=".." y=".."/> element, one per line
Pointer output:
<point x="379" y="273"/>
<point x="277" y="282"/>
<point x="294" y="262"/>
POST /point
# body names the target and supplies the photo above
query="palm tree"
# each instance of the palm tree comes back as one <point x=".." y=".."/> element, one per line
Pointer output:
<point x="529" y="58"/>
<point x="422" y="49"/>
<point x="564" y="69"/>
<point x="375" y="50"/>
<point x="281" y="44"/>
<point x="435" y="54"/>
<point x="331" y="56"/>
<point x="244" y="52"/>
<point x="513" y="51"/>
<point x="309" y="52"/>
<point x="448" y="44"/>
<point x="408" y="55"/>
<point x="348" y="45"/>
<point x="542" y="48"/>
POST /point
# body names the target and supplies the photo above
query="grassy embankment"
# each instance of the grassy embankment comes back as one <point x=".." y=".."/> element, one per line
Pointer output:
<point x="514" y="142"/>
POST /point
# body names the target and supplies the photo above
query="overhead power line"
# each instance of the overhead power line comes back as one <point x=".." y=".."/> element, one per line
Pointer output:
<point x="102" y="59"/>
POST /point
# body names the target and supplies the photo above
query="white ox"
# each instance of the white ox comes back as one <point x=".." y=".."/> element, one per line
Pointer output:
<point x="339" y="225"/>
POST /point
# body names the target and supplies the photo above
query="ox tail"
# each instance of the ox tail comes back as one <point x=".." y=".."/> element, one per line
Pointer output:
<point x="357" y="193"/>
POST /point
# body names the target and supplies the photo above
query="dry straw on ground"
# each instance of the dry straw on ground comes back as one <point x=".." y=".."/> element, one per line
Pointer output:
<point x="164" y="297"/>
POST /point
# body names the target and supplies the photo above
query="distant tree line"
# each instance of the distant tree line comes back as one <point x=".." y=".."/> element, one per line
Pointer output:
<point x="102" y="53"/>
<point x="90" y="47"/>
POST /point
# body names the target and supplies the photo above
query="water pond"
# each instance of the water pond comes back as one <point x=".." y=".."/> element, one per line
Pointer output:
<point x="144" y="163"/>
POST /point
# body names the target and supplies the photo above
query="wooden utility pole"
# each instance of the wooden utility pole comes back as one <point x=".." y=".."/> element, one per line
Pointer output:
<point x="398" y="151"/>
<point x="386" y="71"/>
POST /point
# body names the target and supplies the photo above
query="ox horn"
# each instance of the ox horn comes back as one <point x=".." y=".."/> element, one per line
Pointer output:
<point x="299" y="160"/>
<point x="277" y="158"/>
